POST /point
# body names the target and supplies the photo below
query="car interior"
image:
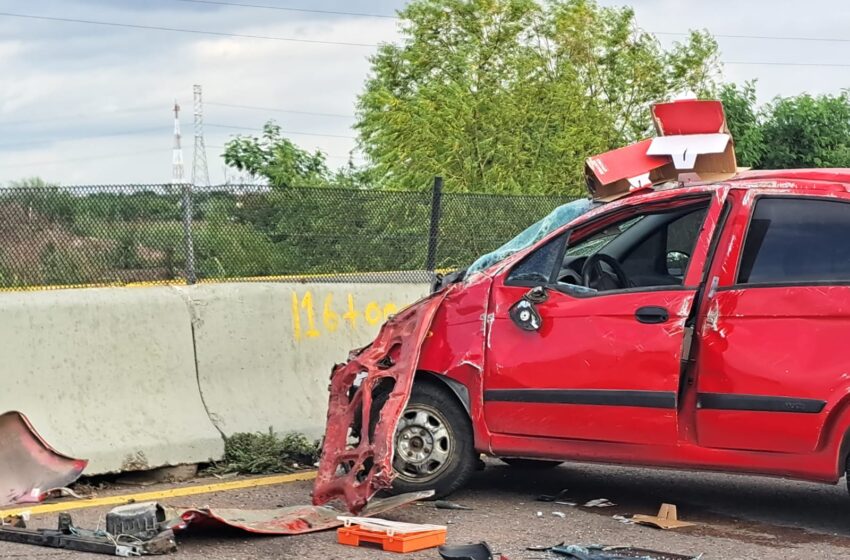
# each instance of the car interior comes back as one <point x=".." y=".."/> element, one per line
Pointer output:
<point x="647" y="250"/>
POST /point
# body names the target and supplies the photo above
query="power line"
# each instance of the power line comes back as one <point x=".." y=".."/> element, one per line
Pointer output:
<point x="759" y="37"/>
<point x="183" y="30"/>
<point x="811" y="64"/>
<point x="287" y="9"/>
<point x="273" y="110"/>
<point x="252" y="129"/>
<point x="87" y="158"/>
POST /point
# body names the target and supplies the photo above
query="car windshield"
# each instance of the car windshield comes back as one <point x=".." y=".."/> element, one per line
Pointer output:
<point x="561" y="216"/>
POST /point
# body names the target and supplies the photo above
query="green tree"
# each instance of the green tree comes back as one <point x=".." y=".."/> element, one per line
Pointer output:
<point x="277" y="158"/>
<point x="807" y="131"/>
<point x="512" y="95"/>
<point x="744" y="120"/>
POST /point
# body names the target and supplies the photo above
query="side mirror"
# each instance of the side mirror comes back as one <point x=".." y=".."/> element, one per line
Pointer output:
<point x="677" y="263"/>
<point x="524" y="313"/>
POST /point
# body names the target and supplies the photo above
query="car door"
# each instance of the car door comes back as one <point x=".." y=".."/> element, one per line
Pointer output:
<point x="602" y="365"/>
<point x="773" y="332"/>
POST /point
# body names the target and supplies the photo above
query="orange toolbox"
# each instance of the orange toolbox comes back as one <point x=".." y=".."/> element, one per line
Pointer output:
<point x="391" y="536"/>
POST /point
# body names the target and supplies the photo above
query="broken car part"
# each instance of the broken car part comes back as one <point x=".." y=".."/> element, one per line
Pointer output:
<point x="30" y="467"/>
<point x="70" y="537"/>
<point x="615" y="553"/>
<point x="354" y="471"/>
<point x="480" y="551"/>
<point x="142" y="521"/>
<point x="292" y="520"/>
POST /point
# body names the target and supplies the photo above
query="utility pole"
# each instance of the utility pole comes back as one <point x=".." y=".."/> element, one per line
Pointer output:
<point x="200" y="171"/>
<point x="177" y="154"/>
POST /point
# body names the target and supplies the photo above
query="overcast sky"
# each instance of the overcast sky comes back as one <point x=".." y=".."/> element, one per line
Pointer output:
<point x="91" y="104"/>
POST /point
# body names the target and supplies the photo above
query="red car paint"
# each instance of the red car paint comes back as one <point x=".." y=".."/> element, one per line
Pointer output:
<point x="763" y="388"/>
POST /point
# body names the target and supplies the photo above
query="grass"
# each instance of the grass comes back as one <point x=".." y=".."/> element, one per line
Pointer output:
<point x="266" y="453"/>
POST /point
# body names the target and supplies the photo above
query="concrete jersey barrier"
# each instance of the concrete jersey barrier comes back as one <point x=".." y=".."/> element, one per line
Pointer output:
<point x="107" y="375"/>
<point x="265" y="350"/>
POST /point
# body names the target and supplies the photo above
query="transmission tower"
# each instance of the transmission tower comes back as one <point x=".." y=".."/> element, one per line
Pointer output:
<point x="200" y="172"/>
<point x="177" y="154"/>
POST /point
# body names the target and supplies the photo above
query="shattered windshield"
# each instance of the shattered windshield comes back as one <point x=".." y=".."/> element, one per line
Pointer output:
<point x="562" y="215"/>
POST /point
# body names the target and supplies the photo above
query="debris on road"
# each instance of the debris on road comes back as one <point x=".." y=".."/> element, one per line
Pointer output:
<point x="667" y="518"/>
<point x="355" y="472"/>
<point x="292" y="520"/>
<point x="480" y="551"/>
<point x="553" y="497"/>
<point x="31" y="468"/>
<point x="155" y="540"/>
<point x="595" y="552"/>
<point x="392" y="536"/>
<point x="443" y="504"/>
<point x="599" y="502"/>
<point x="560" y="514"/>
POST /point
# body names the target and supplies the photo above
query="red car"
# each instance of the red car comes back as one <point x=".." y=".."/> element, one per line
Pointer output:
<point x="700" y="327"/>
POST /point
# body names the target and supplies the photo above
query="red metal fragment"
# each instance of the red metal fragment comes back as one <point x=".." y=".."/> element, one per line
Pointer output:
<point x="29" y="467"/>
<point x="293" y="520"/>
<point x="355" y="472"/>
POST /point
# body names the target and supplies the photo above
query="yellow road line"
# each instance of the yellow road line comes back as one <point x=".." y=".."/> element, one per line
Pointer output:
<point x="160" y="494"/>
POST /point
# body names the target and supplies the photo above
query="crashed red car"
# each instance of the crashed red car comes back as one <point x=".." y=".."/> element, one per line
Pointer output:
<point x="700" y="327"/>
<point x="697" y="321"/>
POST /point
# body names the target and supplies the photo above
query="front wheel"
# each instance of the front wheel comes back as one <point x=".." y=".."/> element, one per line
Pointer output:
<point x="434" y="447"/>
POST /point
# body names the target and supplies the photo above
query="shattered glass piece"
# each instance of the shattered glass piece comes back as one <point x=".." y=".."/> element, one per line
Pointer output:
<point x="31" y="469"/>
<point x="596" y="552"/>
<point x="292" y="520"/>
<point x="561" y="216"/>
<point x="358" y="450"/>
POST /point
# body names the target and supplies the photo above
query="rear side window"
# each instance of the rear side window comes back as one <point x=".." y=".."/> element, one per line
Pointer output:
<point x="797" y="240"/>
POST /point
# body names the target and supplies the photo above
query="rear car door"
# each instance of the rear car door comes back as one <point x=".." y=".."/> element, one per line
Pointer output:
<point x="603" y="365"/>
<point x="773" y="332"/>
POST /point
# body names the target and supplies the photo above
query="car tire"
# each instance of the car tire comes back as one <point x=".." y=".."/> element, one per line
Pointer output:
<point x="539" y="464"/>
<point x="434" y="446"/>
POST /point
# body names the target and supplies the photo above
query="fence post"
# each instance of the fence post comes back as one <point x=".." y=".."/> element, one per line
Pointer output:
<point x="434" y="233"/>
<point x="188" y="242"/>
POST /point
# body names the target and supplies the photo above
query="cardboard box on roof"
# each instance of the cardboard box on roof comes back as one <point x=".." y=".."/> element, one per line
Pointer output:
<point x="692" y="139"/>
<point x="624" y="170"/>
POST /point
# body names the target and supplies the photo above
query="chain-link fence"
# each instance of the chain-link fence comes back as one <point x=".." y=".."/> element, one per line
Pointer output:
<point x="104" y="235"/>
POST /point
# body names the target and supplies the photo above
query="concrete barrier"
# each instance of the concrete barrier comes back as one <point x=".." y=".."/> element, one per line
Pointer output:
<point x="265" y="350"/>
<point x="138" y="378"/>
<point x="107" y="375"/>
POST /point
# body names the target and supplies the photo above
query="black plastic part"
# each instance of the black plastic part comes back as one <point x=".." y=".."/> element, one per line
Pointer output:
<point x="652" y="315"/>
<point x="480" y="551"/>
<point x="525" y="315"/>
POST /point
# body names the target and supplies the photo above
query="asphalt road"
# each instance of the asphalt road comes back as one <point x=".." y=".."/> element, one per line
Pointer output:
<point x="737" y="517"/>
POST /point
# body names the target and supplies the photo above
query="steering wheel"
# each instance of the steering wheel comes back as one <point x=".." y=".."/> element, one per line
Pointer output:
<point x="592" y="271"/>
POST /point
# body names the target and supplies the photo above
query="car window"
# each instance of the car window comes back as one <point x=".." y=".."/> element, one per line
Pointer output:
<point x="536" y="269"/>
<point x="797" y="240"/>
<point x="598" y="240"/>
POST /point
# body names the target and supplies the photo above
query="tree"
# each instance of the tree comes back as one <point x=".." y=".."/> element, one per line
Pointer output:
<point x="512" y="95"/>
<point x="807" y="131"/>
<point x="277" y="159"/>
<point x="743" y="118"/>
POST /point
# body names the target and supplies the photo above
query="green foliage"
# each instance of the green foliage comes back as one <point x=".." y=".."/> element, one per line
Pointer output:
<point x="61" y="265"/>
<point x="511" y="96"/>
<point x="266" y="453"/>
<point x="807" y="131"/>
<point x="277" y="159"/>
<point x="742" y="116"/>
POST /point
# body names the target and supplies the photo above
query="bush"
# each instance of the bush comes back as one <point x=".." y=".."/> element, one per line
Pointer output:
<point x="266" y="453"/>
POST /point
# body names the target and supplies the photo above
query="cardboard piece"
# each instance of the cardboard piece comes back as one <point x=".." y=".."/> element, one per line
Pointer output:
<point x="667" y="518"/>
<point x="624" y="170"/>
<point x="692" y="140"/>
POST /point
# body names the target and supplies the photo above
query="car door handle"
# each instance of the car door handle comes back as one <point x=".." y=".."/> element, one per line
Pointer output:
<point x="652" y="315"/>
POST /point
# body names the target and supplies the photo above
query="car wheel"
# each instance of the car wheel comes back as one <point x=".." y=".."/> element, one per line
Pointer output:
<point x="434" y="447"/>
<point x="531" y="463"/>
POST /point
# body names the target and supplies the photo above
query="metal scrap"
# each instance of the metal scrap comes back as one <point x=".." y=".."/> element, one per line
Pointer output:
<point x="596" y="552"/>
<point x="31" y="468"/>
<point x="367" y="397"/>
<point x="292" y="520"/>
